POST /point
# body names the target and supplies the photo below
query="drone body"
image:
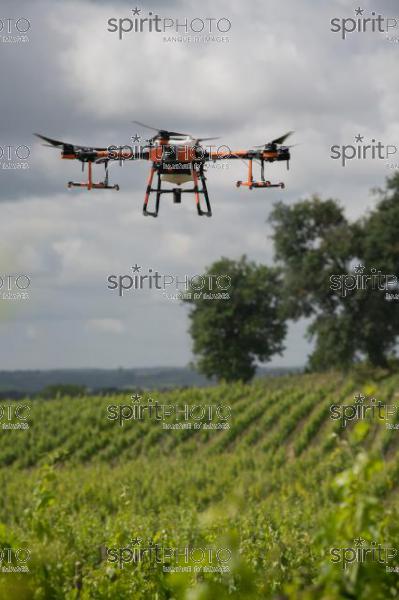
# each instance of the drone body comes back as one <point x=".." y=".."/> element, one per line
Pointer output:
<point x="176" y="158"/>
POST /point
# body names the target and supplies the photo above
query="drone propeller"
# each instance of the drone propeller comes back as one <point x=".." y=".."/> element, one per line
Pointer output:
<point x="166" y="134"/>
<point x="50" y="142"/>
<point x="277" y="141"/>
<point x="49" y="146"/>
<point x="282" y="139"/>
<point x="162" y="132"/>
<point x="205" y="139"/>
<point x="58" y="144"/>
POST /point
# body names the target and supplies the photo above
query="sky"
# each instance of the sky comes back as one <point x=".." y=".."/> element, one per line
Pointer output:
<point x="281" y="68"/>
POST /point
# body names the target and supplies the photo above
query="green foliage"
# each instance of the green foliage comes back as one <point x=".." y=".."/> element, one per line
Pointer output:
<point x="356" y="516"/>
<point x="270" y="488"/>
<point x="230" y="335"/>
<point x="314" y="241"/>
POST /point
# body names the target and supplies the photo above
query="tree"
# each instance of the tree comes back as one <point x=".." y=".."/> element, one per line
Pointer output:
<point x="230" y="335"/>
<point x="314" y="242"/>
<point x="378" y="246"/>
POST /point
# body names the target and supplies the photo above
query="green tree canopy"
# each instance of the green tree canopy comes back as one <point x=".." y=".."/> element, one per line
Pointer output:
<point x="230" y="335"/>
<point x="313" y="242"/>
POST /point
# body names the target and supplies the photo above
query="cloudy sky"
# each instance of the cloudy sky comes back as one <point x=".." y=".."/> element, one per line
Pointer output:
<point x="282" y="68"/>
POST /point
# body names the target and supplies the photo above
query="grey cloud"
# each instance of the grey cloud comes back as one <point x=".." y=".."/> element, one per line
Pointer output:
<point x="282" y="69"/>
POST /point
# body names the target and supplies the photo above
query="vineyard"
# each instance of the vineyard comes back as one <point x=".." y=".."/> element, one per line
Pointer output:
<point x="277" y="483"/>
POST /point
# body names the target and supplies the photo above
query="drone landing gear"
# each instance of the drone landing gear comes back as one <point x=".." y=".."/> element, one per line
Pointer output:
<point x="260" y="184"/>
<point x="250" y="183"/>
<point x="197" y="176"/>
<point x="90" y="185"/>
<point x="200" y="176"/>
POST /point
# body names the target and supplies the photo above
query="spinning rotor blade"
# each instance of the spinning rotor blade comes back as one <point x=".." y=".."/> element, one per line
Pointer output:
<point x="164" y="133"/>
<point x="277" y="141"/>
<point x="282" y="139"/>
<point x="205" y="139"/>
<point x="146" y="126"/>
<point x="49" y="146"/>
<point x="161" y="132"/>
<point x="58" y="144"/>
<point x="50" y="142"/>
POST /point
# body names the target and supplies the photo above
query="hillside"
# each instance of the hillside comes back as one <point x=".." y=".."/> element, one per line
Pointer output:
<point x="276" y="490"/>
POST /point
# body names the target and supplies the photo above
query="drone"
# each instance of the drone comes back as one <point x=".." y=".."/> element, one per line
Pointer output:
<point x="176" y="158"/>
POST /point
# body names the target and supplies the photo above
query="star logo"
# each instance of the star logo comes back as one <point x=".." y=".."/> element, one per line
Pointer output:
<point x="359" y="398"/>
<point x="359" y="11"/>
<point x="136" y="11"/>
<point x="136" y="397"/>
<point x="359" y="269"/>
<point x="136" y="268"/>
<point x="136" y="139"/>
<point x="359" y="541"/>
<point x="135" y="541"/>
<point x="359" y="138"/>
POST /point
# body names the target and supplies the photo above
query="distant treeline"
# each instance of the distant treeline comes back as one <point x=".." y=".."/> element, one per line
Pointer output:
<point x="75" y="382"/>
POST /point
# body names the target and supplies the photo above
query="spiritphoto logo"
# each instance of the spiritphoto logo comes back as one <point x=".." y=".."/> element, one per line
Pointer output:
<point x="186" y="559"/>
<point x="14" y="30"/>
<point x="361" y="553"/>
<point x="364" y="149"/>
<point x="169" y="153"/>
<point x="173" y="287"/>
<point x="14" y="560"/>
<point x="364" y="408"/>
<point x="365" y="22"/>
<point x="14" y="158"/>
<point x="14" y="286"/>
<point x="389" y="296"/>
<point x="14" y="416"/>
<point x="181" y="29"/>
<point x="360" y="280"/>
<point x="171" y="416"/>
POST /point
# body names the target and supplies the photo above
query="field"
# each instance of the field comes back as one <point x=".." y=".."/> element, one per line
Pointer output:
<point x="274" y="493"/>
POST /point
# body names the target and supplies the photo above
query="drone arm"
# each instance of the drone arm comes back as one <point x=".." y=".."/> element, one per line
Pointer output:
<point x="267" y="155"/>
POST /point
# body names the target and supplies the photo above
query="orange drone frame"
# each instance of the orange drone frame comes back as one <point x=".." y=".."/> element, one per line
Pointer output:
<point x="176" y="158"/>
